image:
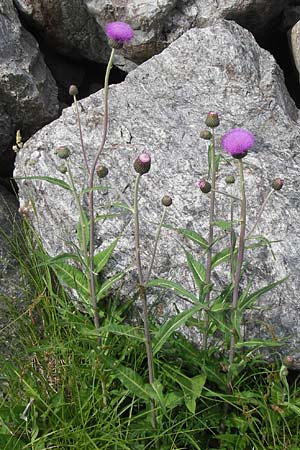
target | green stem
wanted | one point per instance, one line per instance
(80, 135)
(156, 243)
(210, 237)
(80, 210)
(91, 196)
(240, 259)
(261, 210)
(143, 297)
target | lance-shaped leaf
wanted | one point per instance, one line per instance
(105, 287)
(171, 326)
(51, 180)
(102, 257)
(134, 382)
(175, 287)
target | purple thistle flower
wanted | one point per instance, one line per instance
(119, 32)
(237, 142)
(142, 163)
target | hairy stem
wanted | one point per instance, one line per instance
(259, 214)
(91, 196)
(240, 259)
(155, 244)
(81, 136)
(210, 236)
(143, 297)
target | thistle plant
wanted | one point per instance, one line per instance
(237, 142)
(212, 121)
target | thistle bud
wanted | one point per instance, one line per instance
(288, 361)
(167, 200)
(277, 184)
(212, 120)
(62, 168)
(101, 171)
(142, 163)
(229, 179)
(204, 186)
(73, 90)
(205, 134)
(63, 152)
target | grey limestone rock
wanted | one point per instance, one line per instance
(28, 95)
(160, 108)
(71, 27)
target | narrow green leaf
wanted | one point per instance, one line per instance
(56, 181)
(224, 224)
(250, 299)
(190, 234)
(222, 256)
(259, 343)
(198, 271)
(133, 382)
(175, 287)
(73, 278)
(83, 230)
(169, 327)
(102, 258)
(103, 291)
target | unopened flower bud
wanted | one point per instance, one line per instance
(62, 168)
(288, 361)
(142, 163)
(101, 171)
(205, 134)
(73, 90)
(212, 120)
(204, 186)
(229, 179)
(277, 184)
(167, 200)
(62, 152)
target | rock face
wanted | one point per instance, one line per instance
(71, 28)
(9, 274)
(160, 108)
(28, 95)
(294, 38)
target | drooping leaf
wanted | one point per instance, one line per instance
(175, 287)
(117, 329)
(190, 234)
(51, 180)
(102, 257)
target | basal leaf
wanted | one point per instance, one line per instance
(133, 382)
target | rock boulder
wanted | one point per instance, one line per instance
(160, 108)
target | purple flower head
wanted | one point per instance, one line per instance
(237, 142)
(119, 32)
